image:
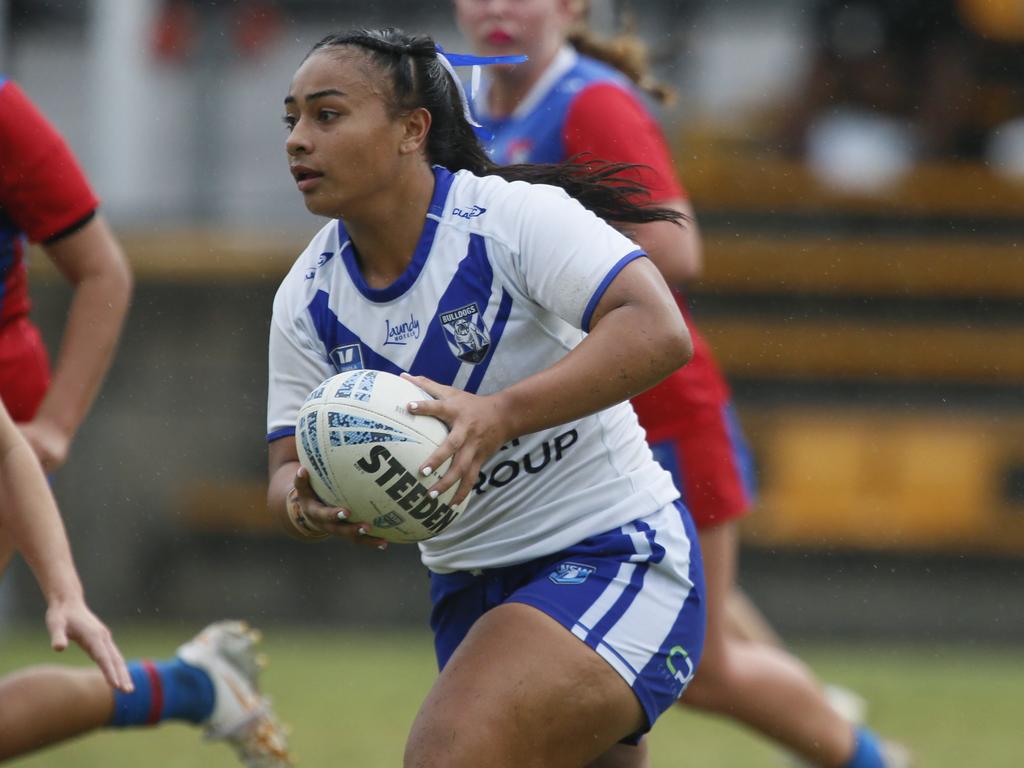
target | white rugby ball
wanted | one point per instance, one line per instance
(363, 449)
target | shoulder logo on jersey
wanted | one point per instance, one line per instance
(469, 213)
(400, 333)
(322, 259)
(467, 336)
(346, 358)
(571, 573)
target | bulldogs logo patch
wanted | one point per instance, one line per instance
(467, 336)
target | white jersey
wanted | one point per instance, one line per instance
(502, 285)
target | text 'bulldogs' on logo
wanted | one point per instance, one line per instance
(466, 334)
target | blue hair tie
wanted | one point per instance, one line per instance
(451, 60)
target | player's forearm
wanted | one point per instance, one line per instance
(94, 324)
(630, 350)
(29, 514)
(282, 480)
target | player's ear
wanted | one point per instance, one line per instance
(416, 125)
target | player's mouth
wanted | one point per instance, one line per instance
(305, 178)
(499, 37)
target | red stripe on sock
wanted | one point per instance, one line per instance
(156, 702)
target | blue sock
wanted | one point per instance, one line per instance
(164, 690)
(867, 751)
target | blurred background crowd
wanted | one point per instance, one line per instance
(858, 170)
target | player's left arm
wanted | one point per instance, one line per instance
(29, 516)
(90, 258)
(636, 338)
(634, 137)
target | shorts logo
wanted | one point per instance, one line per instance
(346, 358)
(571, 573)
(467, 336)
(682, 669)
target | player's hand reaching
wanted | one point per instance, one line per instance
(309, 513)
(476, 430)
(48, 441)
(72, 620)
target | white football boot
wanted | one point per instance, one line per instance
(241, 716)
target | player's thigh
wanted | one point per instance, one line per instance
(6, 550)
(623, 756)
(719, 546)
(523, 691)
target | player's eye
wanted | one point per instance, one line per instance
(325, 115)
(289, 122)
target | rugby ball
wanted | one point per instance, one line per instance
(363, 449)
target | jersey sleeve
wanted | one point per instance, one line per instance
(568, 256)
(297, 364)
(609, 123)
(42, 187)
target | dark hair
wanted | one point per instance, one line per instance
(418, 79)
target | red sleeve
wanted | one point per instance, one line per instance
(42, 188)
(611, 124)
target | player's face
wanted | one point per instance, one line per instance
(342, 142)
(502, 27)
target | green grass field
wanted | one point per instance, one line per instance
(350, 697)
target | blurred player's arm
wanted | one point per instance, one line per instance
(634, 137)
(91, 259)
(674, 248)
(29, 516)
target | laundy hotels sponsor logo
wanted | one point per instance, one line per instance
(571, 573)
(401, 333)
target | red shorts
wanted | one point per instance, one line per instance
(711, 465)
(24, 368)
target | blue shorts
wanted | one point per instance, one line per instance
(634, 594)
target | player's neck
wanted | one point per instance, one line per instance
(510, 85)
(385, 234)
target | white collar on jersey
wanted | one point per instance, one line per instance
(564, 60)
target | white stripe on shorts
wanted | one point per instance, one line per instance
(639, 633)
(650, 617)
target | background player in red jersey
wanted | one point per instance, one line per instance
(562, 103)
(45, 197)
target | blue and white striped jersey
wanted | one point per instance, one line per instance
(503, 284)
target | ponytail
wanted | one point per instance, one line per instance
(626, 52)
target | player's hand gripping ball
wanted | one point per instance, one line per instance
(362, 449)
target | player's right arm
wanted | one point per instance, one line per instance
(29, 515)
(297, 365)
